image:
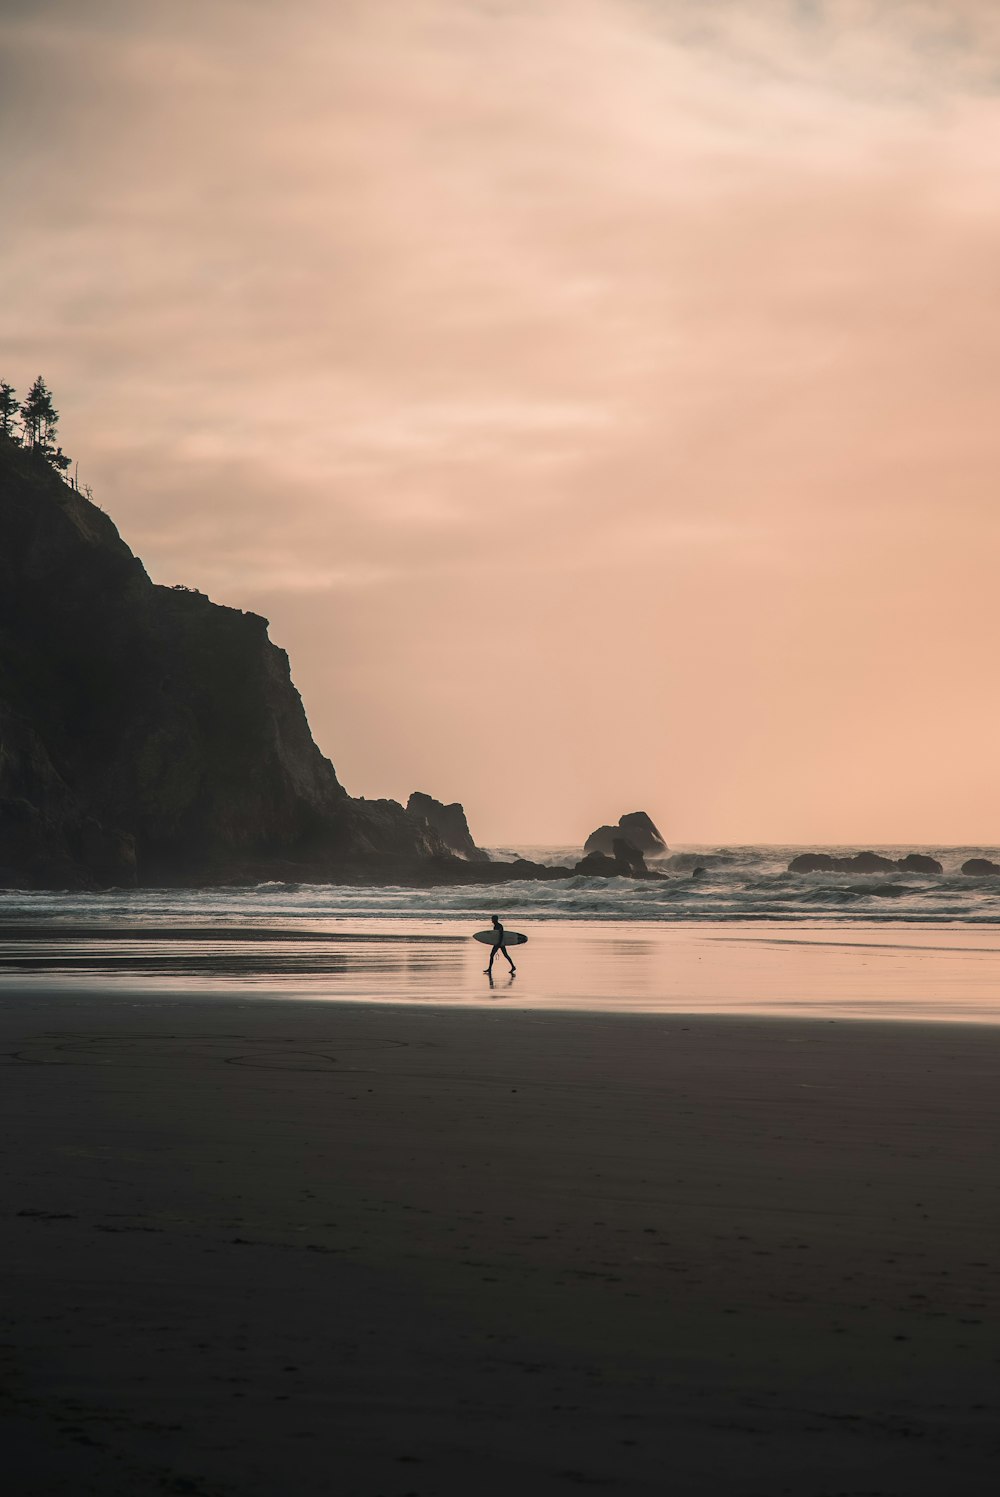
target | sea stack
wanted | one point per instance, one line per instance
(637, 828)
(449, 823)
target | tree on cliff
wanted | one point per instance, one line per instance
(39, 415)
(8, 410)
(40, 419)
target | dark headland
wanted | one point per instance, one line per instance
(150, 736)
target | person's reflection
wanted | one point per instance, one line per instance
(504, 985)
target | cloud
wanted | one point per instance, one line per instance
(654, 331)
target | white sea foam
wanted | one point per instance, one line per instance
(738, 884)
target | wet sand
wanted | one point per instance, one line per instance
(262, 1246)
(805, 969)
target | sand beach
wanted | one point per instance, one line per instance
(262, 1244)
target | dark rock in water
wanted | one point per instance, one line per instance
(629, 859)
(863, 862)
(598, 865)
(641, 831)
(627, 862)
(449, 823)
(919, 862)
(980, 868)
(147, 734)
(636, 827)
(812, 862)
(870, 862)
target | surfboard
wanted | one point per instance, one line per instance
(489, 938)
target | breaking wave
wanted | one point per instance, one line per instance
(733, 884)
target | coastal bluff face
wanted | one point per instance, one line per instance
(147, 734)
(450, 824)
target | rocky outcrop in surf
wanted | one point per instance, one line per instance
(919, 862)
(628, 858)
(450, 824)
(864, 862)
(637, 828)
(625, 862)
(980, 868)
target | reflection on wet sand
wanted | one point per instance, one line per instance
(901, 973)
(216, 957)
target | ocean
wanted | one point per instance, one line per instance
(745, 938)
(738, 884)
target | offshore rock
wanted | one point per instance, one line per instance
(597, 865)
(636, 827)
(980, 868)
(627, 862)
(146, 734)
(643, 833)
(870, 862)
(629, 859)
(450, 824)
(863, 862)
(919, 862)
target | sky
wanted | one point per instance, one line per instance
(599, 397)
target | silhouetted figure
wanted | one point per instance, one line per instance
(498, 945)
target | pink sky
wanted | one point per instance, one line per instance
(598, 396)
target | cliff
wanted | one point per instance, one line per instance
(450, 824)
(147, 734)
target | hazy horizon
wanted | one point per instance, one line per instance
(639, 355)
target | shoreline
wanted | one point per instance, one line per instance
(740, 888)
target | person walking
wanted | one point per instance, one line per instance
(498, 945)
